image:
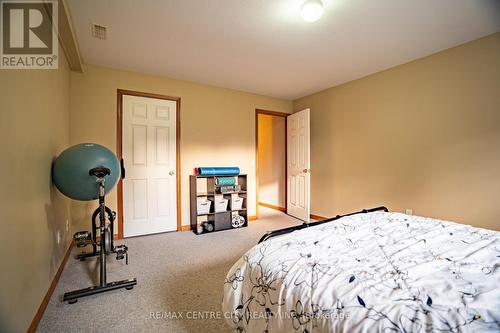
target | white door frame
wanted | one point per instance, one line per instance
(119, 150)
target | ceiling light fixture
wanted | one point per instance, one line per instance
(312, 10)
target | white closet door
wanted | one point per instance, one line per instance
(298, 165)
(149, 154)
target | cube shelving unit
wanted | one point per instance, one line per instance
(205, 187)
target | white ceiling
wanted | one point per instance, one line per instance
(263, 46)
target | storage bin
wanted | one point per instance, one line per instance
(236, 203)
(203, 206)
(220, 204)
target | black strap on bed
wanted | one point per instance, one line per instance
(283, 231)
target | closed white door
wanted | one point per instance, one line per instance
(298, 165)
(149, 154)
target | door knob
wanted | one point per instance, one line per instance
(171, 173)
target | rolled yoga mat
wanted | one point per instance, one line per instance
(225, 181)
(218, 171)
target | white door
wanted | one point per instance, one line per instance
(149, 154)
(298, 165)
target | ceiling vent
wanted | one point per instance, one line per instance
(99, 31)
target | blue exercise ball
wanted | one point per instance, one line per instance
(70, 171)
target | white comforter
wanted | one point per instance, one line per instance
(385, 272)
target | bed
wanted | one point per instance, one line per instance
(372, 272)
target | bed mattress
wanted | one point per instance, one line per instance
(375, 272)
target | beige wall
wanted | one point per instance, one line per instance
(217, 125)
(271, 160)
(424, 135)
(34, 129)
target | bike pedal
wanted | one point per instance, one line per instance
(122, 253)
(82, 238)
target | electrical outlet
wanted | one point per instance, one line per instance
(67, 225)
(409, 211)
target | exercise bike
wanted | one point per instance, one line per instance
(100, 247)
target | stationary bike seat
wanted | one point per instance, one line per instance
(99, 172)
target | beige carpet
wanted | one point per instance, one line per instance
(176, 272)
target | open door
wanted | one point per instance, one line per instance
(299, 165)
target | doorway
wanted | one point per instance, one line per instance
(271, 157)
(148, 132)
